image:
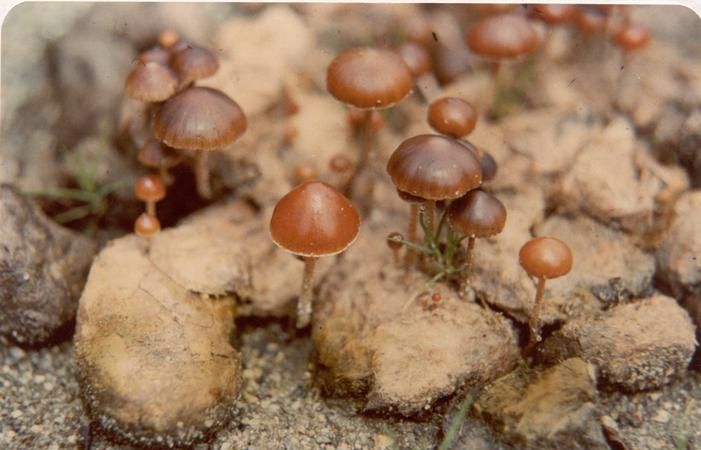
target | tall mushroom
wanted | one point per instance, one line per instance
(543, 258)
(311, 221)
(199, 119)
(150, 189)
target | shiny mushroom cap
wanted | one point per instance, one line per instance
(146, 225)
(150, 81)
(554, 13)
(367, 77)
(416, 57)
(503, 36)
(452, 116)
(314, 220)
(199, 118)
(158, 155)
(434, 167)
(194, 63)
(632, 37)
(149, 188)
(545, 257)
(477, 214)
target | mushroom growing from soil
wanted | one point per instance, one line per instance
(452, 116)
(151, 81)
(146, 225)
(150, 189)
(369, 79)
(157, 155)
(199, 119)
(311, 221)
(543, 258)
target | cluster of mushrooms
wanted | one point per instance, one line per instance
(185, 119)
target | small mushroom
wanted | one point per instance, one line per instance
(452, 116)
(150, 81)
(146, 225)
(394, 242)
(553, 14)
(194, 63)
(341, 167)
(167, 38)
(303, 172)
(590, 20)
(418, 60)
(487, 161)
(543, 258)
(311, 221)
(200, 119)
(150, 189)
(631, 37)
(157, 155)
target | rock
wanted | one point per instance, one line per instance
(688, 153)
(680, 247)
(153, 359)
(692, 304)
(373, 336)
(552, 409)
(637, 346)
(42, 270)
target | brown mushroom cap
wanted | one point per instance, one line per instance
(418, 29)
(168, 38)
(487, 162)
(146, 225)
(434, 167)
(149, 188)
(155, 54)
(416, 57)
(452, 116)
(590, 20)
(632, 37)
(367, 77)
(151, 81)
(195, 63)
(158, 155)
(502, 36)
(304, 171)
(450, 63)
(407, 197)
(477, 214)
(545, 257)
(554, 13)
(313, 220)
(199, 118)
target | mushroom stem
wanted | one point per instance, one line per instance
(430, 212)
(533, 321)
(151, 209)
(496, 71)
(411, 234)
(202, 174)
(365, 163)
(304, 304)
(468, 258)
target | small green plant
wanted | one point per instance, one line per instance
(681, 437)
(451, 434)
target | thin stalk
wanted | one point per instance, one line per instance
(365, 163)
(304, 304)
(204, 189)
(533, 320)
(410, 255)
(151, 209)
(430, 212)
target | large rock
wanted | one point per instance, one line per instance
(551, 409)
(637, 346)
(42, 270)
(375, 335)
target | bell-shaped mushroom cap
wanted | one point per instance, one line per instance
(146, 225)
(545, 257)
(452, 116)
(149, 188)
(554, 13)
(434, 167)
(477, 214)
(150, 81)
(156, 154)
(502, 36)
(416, 57)
(367, 77)
(313, 220)
(632, 36)
(195, 63)
(199, 118)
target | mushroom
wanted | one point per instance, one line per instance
(449, 63)
(200, 119)
(341, 167)
(368, 78)
(487, 161)
(418, 60)
(553, 15)
(394, 242)
(311, 221)
(194, 63)
(414, 203)
(543, 258)
(159, 156)
(146, 225)
(155, 54)
(150, 81)
(304, 171)
(150, 189)
(452, 116)
(631, 36)
(167, 38)
(477, 214)
(590, 20)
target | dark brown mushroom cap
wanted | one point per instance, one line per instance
(149, 188)
(158, 155)
(367, 77)
(632, 37)
(146, 225)
(452, 116)
(554, 13)
(150, 81)
(502, 36)
(416, 57)
(545, 257)
(434, 167)
(590, 20)
(199, 118)
(194, 63)
(313, 220)
(477, 214)
(407, 197)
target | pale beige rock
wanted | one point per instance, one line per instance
(637, 346)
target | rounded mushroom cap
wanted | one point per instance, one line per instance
(304, 171)
(150, 81)
(367, 77)
(158, 155)
(394, 240)
(477, 214)
(502, 36)
(340, 163)
(545, 257)
(632, 36)
(416, 57)
(418, 29)
(450, 63)
(167, 38)
(554, 13)
(195, 63)
(313, 220)
(452, 116)
(591, 20)
(149, 188)
(199, 118)
(146, 225)
(434, 167)
(155, 54)
(487, 162)
(407, 197)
